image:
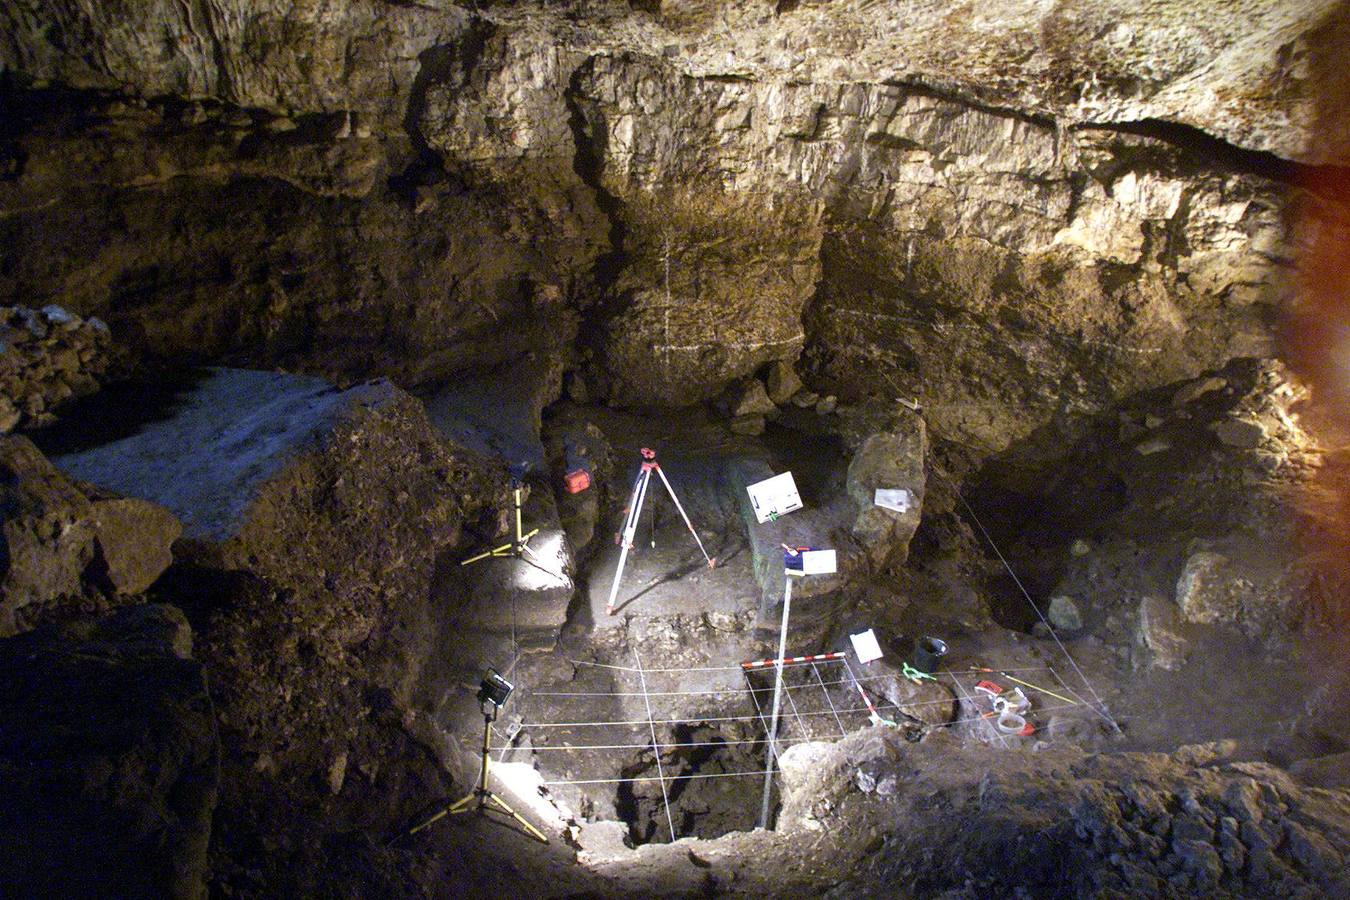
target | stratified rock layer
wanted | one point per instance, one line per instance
(1042, 215)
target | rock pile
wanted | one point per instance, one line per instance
(752, 401)
(47, 357)
(1245, 830)
(1062, 823)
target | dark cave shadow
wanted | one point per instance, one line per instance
(117, 411)
(405, 837)
(667, 577)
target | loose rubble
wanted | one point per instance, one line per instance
(49, 358)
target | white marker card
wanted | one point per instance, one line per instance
(819, 562)
(896, 499)
(866, 646)
(774, 497)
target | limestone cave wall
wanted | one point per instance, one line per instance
(1016, 231)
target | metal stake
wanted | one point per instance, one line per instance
(777, 700)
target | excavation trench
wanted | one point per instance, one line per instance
(706, 794)
(593, 743)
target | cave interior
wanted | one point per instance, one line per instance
(349, 352)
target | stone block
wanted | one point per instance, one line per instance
(782, 382)
(888, 459)
(135, 539)
(1239, 433)
(1159, 634)
(1208, 592)
(749, 398)
(1064, 614)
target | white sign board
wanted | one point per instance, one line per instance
(819, 562)
(896, 499)
(774, 497)
(866, 646)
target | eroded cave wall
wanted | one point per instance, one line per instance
(1062, 209)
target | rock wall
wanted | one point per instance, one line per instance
(206, 233)
(67, 547)
(1054, 210)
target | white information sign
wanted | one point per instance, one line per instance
(896, 499)
(774, 497)
(819, 562)
(866, 646)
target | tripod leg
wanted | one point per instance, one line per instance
(687, 523)
(519, 539)
(436, 818)
(539, 835)
(460, 805)
(629, 532)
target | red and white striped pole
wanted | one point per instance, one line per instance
(794, 660)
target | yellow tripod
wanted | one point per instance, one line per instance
(482, 793)
(519, 545)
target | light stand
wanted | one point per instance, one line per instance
(649, 465)
(492, 695)
(519, 544)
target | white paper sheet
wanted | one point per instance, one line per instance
(866, 646)
(896, 499)
(774, 497)
(819, 562)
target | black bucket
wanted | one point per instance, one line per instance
(928, 653)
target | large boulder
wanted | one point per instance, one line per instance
(48, 534)
(133, 539)
(108, 759)
(781, 381)
(930, 702)
(61, 540)
(892, 459)
(749, 398)
(1246, 581)
(342, 497)
(1160, 638)
(313, 519)
(1208, 591)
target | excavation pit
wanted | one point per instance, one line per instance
(593, 741)
(707, 794)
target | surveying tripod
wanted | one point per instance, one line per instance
(649, 465)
